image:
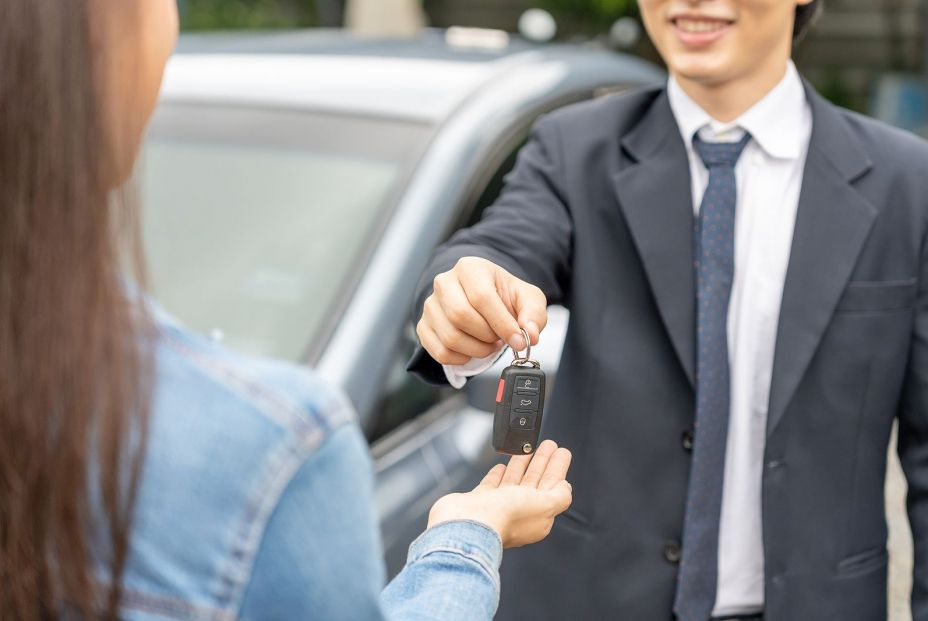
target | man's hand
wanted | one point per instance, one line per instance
(475, 308)
(518, 501)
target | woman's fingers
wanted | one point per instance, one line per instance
(539, 463)
(556, 470)
(494, 477)
(535, 511)
(561, 496)
(531, 467)
(515, 469)
(518, 501)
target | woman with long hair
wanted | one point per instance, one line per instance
(144, 472)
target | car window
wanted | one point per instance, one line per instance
(494, 187)
(405, 397)
(256, 222)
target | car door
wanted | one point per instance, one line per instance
(428, 441)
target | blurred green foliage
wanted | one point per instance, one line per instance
(594, 15)
(834, 86)
(220, 14)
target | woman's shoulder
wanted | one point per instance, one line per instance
(284, 395)
(227, 434)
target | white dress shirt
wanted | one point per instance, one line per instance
(769, 178)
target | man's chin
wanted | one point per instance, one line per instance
(705, 72)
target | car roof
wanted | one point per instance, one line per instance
(425, 78)
(429, 44)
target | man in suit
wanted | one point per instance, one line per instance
(745, 268)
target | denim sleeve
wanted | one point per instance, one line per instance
(452, 573)
(321, 557)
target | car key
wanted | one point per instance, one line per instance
(520, 399)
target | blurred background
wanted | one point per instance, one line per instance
(309, 155)
(868, 55)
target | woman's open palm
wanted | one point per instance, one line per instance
(519, 500)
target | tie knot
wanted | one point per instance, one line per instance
(720, 154)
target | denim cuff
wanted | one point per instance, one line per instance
(472, 540)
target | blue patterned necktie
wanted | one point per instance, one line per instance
(714, 260)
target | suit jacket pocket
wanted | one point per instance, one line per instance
(858, 591)
(863, 562)
(877, 296)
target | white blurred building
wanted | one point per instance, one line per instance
(385, 17)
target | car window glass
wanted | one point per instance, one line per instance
(405, 396)
(493, 188)
(255, 219)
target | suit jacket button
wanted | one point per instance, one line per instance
(673, 552)
(687, 440)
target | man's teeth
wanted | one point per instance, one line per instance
(695, 25)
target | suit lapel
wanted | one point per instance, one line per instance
(832, 225)
(833, 221)
(654, 191)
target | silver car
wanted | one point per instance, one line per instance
(295, 185)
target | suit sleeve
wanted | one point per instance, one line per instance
(528, 232)
(913, 445)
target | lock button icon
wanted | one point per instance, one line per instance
(523, 420)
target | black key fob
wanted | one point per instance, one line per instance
(520, 400)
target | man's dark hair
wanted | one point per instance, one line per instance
(805, 15)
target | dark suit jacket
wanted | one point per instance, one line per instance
(598, 213)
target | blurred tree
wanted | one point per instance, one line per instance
(331, 13)
(593, 16)
(835, 88)
(892, 16)
(924, 41)
(218, 14)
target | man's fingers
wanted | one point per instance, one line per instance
(457, 340)
(556, 470)
(433, 345)
(451, 337)
(483, 296)
(531, 307)
(539, 463)
(457, 308)
(494, 477)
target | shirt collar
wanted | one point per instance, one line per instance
(776, 122)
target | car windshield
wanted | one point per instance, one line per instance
(257, 223)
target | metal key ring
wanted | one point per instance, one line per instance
(528, 350)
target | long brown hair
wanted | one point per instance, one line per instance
(72, 365)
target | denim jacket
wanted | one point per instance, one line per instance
(255, 502)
